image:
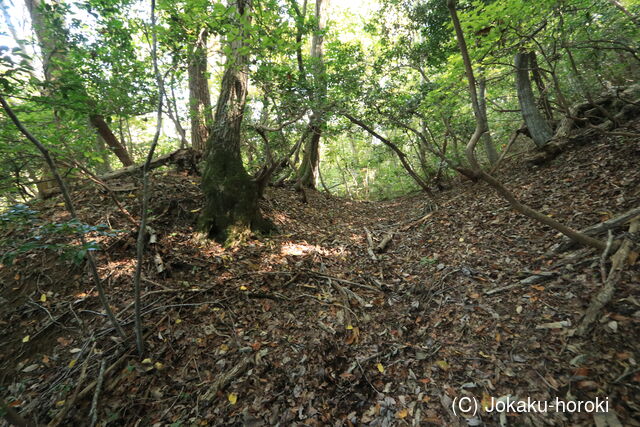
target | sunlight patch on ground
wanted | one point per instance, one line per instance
(297, 249)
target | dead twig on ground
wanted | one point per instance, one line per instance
(93, 413)
(349, 282)
(370, 244)
(224, 379)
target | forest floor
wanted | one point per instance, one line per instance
(304, 327)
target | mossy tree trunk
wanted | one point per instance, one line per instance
(231, 195)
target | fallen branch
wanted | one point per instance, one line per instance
(224, 379)
(602, 298)
(337, 279)
(382, 246)
(108, 189)
(599, 228)
(624, 105)
(181, 156)
(504, 288)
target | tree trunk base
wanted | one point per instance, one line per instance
(231, 212)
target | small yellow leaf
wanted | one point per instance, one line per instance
(233, 398)
(195, 210)
(72, 363)
(224, 347)
(442, 364)
(486, 401)
(380, 368)
(43, 298)
(243, 288)
(402, 414)
(60, 204)
(147, 361)
(461, 239)
(26, 338)
(60, 403)
(158, 366)
(349, 327)
(178, 321)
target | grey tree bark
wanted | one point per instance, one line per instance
(199, 96)
(538, 127)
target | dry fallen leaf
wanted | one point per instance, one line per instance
(402, 414)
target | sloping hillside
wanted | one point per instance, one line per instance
(305, 327)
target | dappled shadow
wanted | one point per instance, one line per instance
(304, 325)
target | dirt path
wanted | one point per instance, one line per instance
(305, 328)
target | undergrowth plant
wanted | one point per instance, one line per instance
(22, 232)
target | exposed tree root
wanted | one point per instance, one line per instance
(602, 298)
(599, 228)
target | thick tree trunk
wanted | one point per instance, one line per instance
(52, 41)
(308, 172)
(199, 97)
(231, 196)
(538, 127)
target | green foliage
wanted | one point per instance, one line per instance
(23, 232)
(398, 70)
